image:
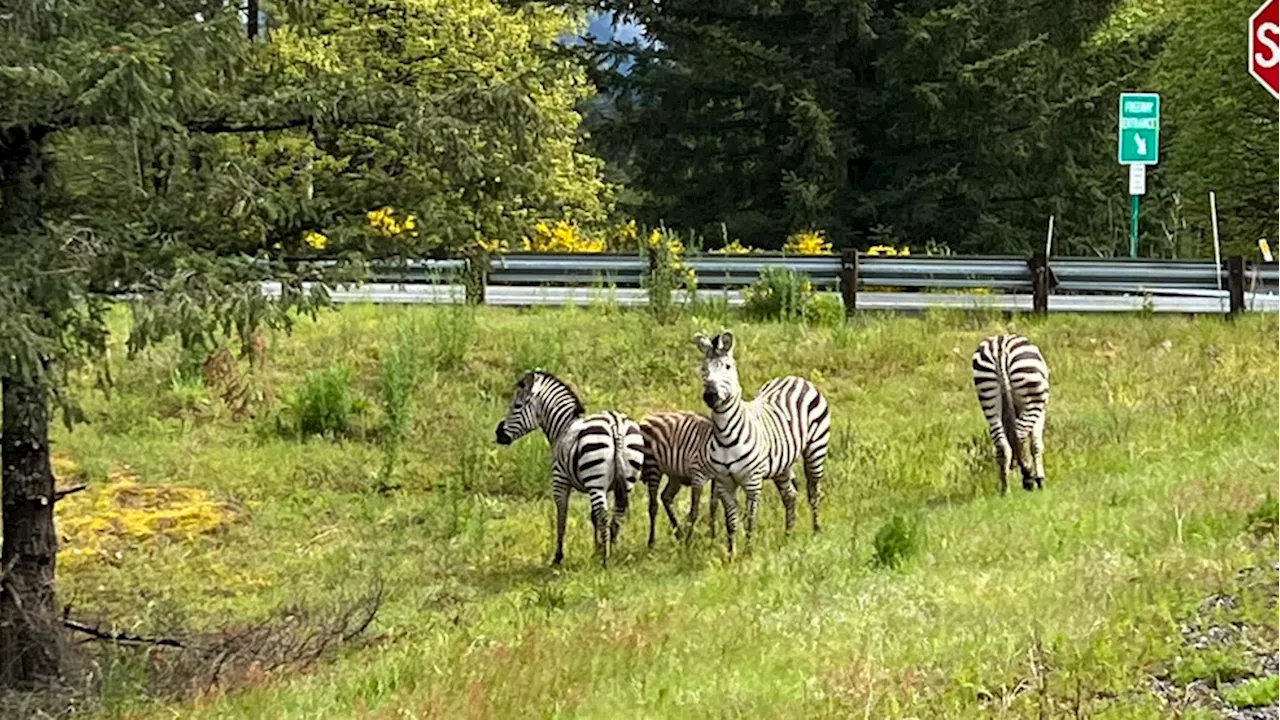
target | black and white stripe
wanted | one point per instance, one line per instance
(788, 421)
(676, 445)
(1012, 382)
(596, 454)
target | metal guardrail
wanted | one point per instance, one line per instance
(855, 275)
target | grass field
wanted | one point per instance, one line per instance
(1140, 583)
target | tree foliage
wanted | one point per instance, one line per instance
(156, 152)
(925, 120)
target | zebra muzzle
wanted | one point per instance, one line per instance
(501, 436)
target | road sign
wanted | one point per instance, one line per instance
(1137, 179)
(1264, 46)
(1140, 128)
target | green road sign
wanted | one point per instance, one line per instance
(1139, 128)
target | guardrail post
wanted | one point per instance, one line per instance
(849, 280)
(1235, 284)
(1039, 283)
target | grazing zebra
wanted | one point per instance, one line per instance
(595, 454)
(676, 444)
(1012, 381)
(760, 440)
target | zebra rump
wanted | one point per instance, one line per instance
(1011, 379)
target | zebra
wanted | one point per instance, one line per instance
(596, 454)
(760, 440)
(1012, 382)
(676, 444)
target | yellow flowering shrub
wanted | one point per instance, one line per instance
(102, 523)
(807, 242)
(563, 237)
(384, 222)
(492, 246)
(735, 248)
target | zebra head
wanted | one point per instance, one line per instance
(720, 385)
(540, 399)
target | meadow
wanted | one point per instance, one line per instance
(1141, 582)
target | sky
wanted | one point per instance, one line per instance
(598, 27)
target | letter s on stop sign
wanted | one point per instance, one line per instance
(1264, 46)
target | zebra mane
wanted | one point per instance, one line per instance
(578, 407)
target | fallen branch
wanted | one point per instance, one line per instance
(121, 638)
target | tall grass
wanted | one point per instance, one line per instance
(1161, 448)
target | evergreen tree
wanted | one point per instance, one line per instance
(168, 152)
(920, 120)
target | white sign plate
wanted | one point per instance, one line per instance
(1137, 179)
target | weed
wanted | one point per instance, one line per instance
(398, 376)
(1264, 519)
(779, 294)
(1257, 692)
(454, 329)
(896, 542)
(324, 404)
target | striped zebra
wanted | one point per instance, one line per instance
(760, 440)
(676, 445)
(596, 454)
(1012, 382)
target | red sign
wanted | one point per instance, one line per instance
(1264, 46)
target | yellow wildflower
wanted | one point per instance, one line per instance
(315, 240)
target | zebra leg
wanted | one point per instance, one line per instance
(1024, 465)
(787, 489)
(1037, 454)
(1004, 457)
(814, 468)
(600, 523)
(652, 477)
(711, 512)
(753, 503)
(668, 502)
(560, 491)
(621, 503)
(695, 503)
(728, 498)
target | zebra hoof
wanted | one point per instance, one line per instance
(1039, 483)
(1028, 485)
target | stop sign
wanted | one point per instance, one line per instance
(1264, 46)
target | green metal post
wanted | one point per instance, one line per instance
(1133, 229)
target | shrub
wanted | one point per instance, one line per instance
(323, 404)
(807, 242)
(897, 541)
(824, 310)
(667, 272)
(779, 294)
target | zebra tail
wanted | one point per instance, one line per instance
(621, 466)
(1008, 415)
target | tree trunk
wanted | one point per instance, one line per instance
(29, 627)
(29, 637)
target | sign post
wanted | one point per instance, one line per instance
(1264, 46)
(1139, 146)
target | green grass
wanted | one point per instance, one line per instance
(1161, 448)
(1254, 693)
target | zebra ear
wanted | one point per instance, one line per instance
(724, 343)
(703, 342)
